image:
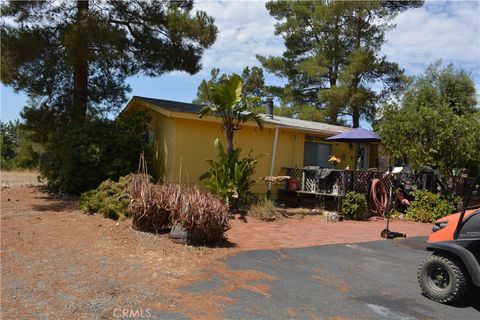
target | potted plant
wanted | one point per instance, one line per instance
(334, 160)
(293, 184)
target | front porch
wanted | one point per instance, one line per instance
(324, 188)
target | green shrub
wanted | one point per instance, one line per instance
(396, 214)
(232, 179)
(28, 153)
(18, 151)
(428, 206)
(78, 157)
(453, 200)
(354, 206)
(264, 210)
(8, 140)
(7, 164)
(110, 199)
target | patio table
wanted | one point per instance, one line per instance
(322, 196)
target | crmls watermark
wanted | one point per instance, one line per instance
(132, 313)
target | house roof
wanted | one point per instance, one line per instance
(284, 122)
(305, 125)
(174, 106)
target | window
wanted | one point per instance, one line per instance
(149, 136)
(362, 156)
(317, 154)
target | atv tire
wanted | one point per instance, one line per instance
(443, 278)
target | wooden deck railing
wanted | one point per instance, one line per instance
(324, 180)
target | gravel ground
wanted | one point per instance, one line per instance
(19, 178)
(59, 263)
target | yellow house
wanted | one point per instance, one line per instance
(182, 142)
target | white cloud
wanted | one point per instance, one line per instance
(245, 29)
(446, 30)
(439, 30)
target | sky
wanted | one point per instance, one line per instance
(439, 30)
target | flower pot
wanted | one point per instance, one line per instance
(180, 234)
(293, 184)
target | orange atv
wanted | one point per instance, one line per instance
(454, 267)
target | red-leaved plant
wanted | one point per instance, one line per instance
(156, 207)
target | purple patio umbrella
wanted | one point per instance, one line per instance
(357, 136)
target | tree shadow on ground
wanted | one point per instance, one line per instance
(222, 244)
(56, 203)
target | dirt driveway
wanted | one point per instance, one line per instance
(19, 178)
(58, 263)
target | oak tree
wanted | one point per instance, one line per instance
(434, 124)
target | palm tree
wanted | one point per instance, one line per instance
(225, 100)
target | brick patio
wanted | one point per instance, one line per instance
(312, 231)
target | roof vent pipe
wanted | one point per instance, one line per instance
(269, 112)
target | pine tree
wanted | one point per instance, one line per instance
(73, 57)
(333, 57)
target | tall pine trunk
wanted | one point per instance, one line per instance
(80, 68)
(356, 117)
(355, 108)
(334, 76)
(334, 109)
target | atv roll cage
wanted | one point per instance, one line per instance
(465, 207)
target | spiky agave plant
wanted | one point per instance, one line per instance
(156, 207)
(149, 205)
(203, 215)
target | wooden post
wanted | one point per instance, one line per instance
(352, 177)
(344, 182)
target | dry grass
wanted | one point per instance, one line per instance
(19, 178)
(265, 210)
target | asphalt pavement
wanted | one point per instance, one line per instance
(371, 280)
